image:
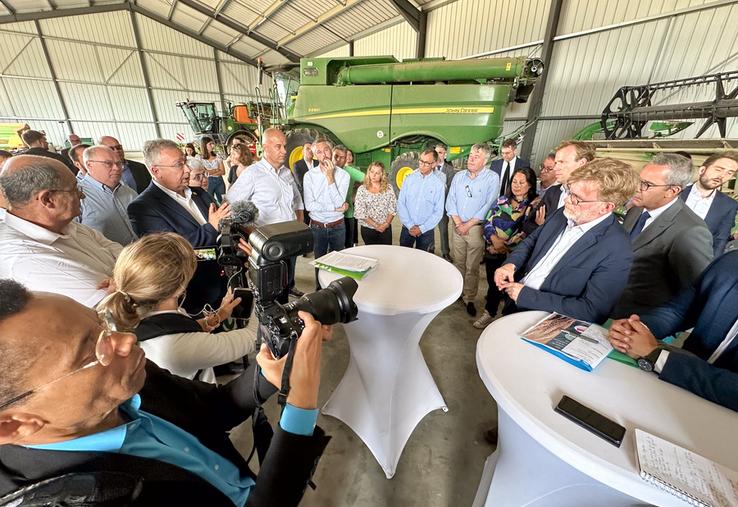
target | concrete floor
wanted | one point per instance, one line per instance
(442, 462)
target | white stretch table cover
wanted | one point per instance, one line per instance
(387, 388)
(543, 459)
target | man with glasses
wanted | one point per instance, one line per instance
(420, 204)
(135, 174)
(79, 399)
(106, 198)
(547, 173)
(577, 262)
(169, 204)
(472, 194)
(671, 244)
(43, 246)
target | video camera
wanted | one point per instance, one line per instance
(272, 247)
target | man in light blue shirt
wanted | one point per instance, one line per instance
(420, 204)
(325, 187)
(106, 201)
(471, 196)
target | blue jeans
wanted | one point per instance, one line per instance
(327, 239)
(425, 241)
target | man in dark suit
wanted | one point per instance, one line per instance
(38, 145)
(92, 404)
(170, 205)
(707, 365)
(570, 155)
(671, 244)
(577, 263)
(135, 174)
(709, 203)
(505, 166)
(300, 168)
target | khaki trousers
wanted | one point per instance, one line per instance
(467, 252)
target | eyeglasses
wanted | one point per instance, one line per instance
(423, 162)
(647, 185)
(77, 189)
(576, 200)
(177, 165)
(468, 190)
(107, 163)
(116, 147)
(104, 351)
(197, 177)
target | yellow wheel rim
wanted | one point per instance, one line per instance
(295, 155)
(402, 173)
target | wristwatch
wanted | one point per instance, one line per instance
(647, 363)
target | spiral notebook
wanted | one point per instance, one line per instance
(689, 476)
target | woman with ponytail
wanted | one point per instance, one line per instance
(150, 276)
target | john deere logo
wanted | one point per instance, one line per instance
(380, 134)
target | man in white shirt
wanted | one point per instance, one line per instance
(42, 245)
(578, 261)
(709, 203)
(326, 186)
(671, 244)
(505, 167)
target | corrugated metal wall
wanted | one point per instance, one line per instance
(398, 40)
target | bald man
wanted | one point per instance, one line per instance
(135, 174)
(43, 247)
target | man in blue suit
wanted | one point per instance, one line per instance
(169, 205)
(505, 167)
(707, 365)
(709, 203)
(577, 262)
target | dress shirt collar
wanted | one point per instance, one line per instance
(698, 195)
(266, 165)
(588, 226)
(658, 211)
(36, 232)
(92, 181)
(174, 195)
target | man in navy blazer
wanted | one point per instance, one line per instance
(709, 203)
(169, 205)
(505, 166)
(707, 365)
(577, 263)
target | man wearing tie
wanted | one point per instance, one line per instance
(505, 166)
(671, 245)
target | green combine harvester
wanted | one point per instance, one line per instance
(389, 111)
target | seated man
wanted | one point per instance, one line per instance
(42, 245)
(92, 403)
(577, 262)
(708, 363)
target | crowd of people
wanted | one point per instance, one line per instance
(107, 258)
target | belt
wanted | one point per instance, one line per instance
(329, 225)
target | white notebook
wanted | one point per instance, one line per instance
(689, 476)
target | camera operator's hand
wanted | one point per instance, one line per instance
(305, 375)
(215, 214)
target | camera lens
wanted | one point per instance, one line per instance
(331, 305)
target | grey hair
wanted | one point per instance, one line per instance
(21, 185)
(153, 148)
(680, 168)
(323, 140)
(485, 149)
(92, 152)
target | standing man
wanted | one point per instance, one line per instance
(135, 174)
(300, 169)
(38, 145)
(326, 186)
(709, 203)
(505, 166)
(546, 173)
(74, 140)
(106, 201)
(75, 155)
(269, 184)
(420, 205)
(445, 172)
(340, 155)
(472, 194)
(671, 244)
(570, 155)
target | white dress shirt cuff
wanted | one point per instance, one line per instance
(661, 361)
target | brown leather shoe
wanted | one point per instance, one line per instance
(491, 436)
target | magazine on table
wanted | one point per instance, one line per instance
(578, 342)
(346, 264)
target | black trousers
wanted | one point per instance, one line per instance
(351, 237)
(494, 296)
(374, 237)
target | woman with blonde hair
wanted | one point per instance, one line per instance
(375, 206)
(151, 275)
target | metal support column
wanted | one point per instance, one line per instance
(54, 80)
(219, 79)
(420, 41)
(145, 71)
(351, 48)
(536, 103)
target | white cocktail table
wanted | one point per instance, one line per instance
(387, 388)
(543, 459)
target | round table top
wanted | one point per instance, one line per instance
(528, 382)
(405, 280)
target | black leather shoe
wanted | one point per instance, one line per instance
(471, 309)
(296, 293)
(491, 436)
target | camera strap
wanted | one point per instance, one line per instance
(284, 390)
